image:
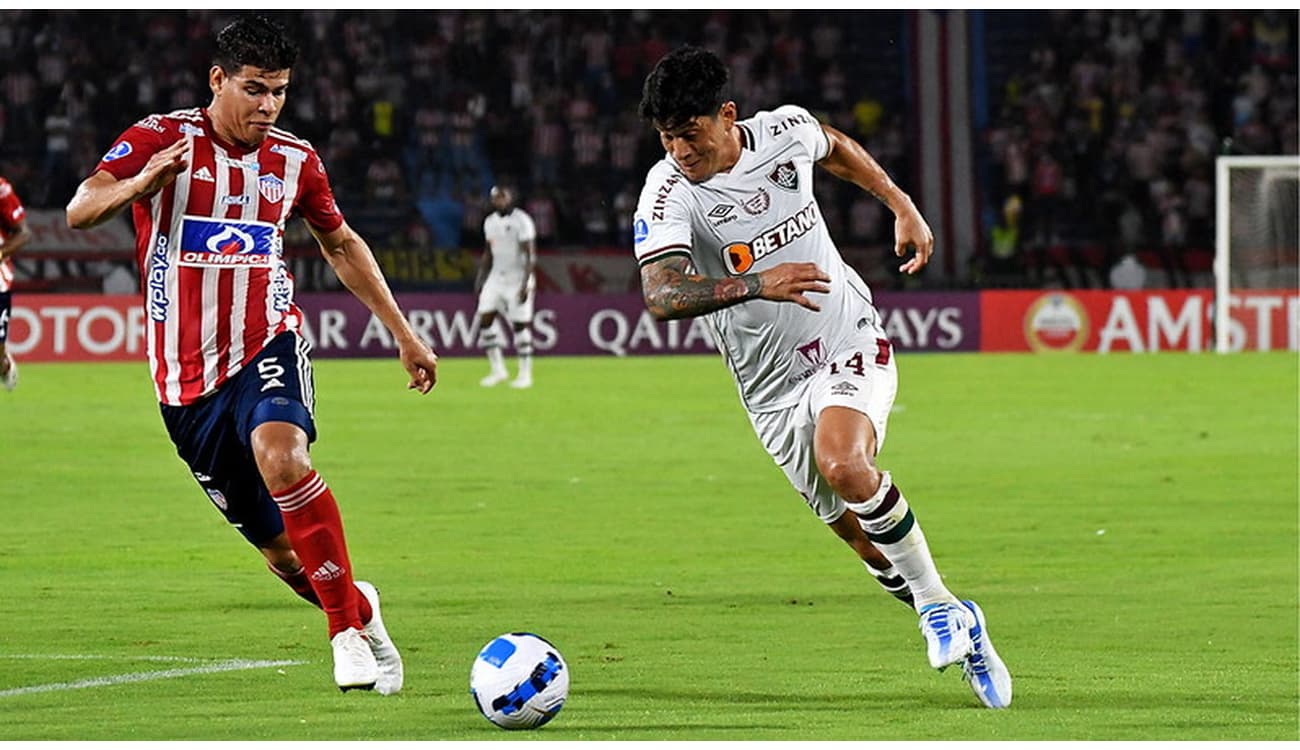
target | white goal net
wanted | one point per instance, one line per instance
(1256, 263)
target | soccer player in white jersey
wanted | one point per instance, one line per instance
(506, 285)
(727, 227)
(210, 190)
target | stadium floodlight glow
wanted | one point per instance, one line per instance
(1256, 232)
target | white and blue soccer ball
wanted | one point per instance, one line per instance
(519, 681)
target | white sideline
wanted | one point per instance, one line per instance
(228, 665)
(106, 657)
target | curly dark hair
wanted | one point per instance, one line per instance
(256, 41)
(688, 82)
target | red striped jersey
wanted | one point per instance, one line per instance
(210, 244)
(12, 214)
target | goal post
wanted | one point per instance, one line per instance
(1256, 234)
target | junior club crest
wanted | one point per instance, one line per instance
(271, 188)
(785, 176)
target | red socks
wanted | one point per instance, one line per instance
(315, 529)
(301, 586)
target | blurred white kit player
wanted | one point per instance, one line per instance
(506, 285)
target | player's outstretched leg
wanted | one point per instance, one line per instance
(984, 670)
(892, 527)
(381, 645)
(315, 529)
(386, 655)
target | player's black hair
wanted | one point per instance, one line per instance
(255, 41)
(688, 82)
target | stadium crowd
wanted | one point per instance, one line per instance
(1105, 140)
(1101, 139)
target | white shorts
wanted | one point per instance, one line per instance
(504, 299)
(854, 377)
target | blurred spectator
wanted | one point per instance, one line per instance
(1128, 273)
(385, 187)
(1003, 266)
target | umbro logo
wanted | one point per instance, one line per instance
(327, 572)
(204, 175)
(843, 389)
(723, 213)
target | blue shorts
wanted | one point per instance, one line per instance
(5, 301)
(214, 435)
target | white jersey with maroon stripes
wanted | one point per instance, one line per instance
(757, 215)
(210, 246)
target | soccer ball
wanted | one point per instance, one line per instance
(519, 681)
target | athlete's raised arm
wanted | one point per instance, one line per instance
(102, 196)
(355, 265)
(672, 289)
(849, 161)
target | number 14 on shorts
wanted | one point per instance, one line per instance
(856, 364)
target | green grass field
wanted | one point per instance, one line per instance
(1128, 523)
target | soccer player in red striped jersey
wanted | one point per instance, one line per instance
(13, 235)
(210, 190)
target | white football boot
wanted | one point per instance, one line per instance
(493, 378)
(947, 631)
(984, 670)
(354, 665)
(385, 653)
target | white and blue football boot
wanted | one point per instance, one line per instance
(984, 669)
(947, 631)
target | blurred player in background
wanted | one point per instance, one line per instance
(210, 190)
(727, 227)
(13, 235)
(506, 285)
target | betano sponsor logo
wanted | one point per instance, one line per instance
(739, 257)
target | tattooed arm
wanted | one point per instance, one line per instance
(850, 162)
(673, 290)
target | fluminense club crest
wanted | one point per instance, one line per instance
(785, 176)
